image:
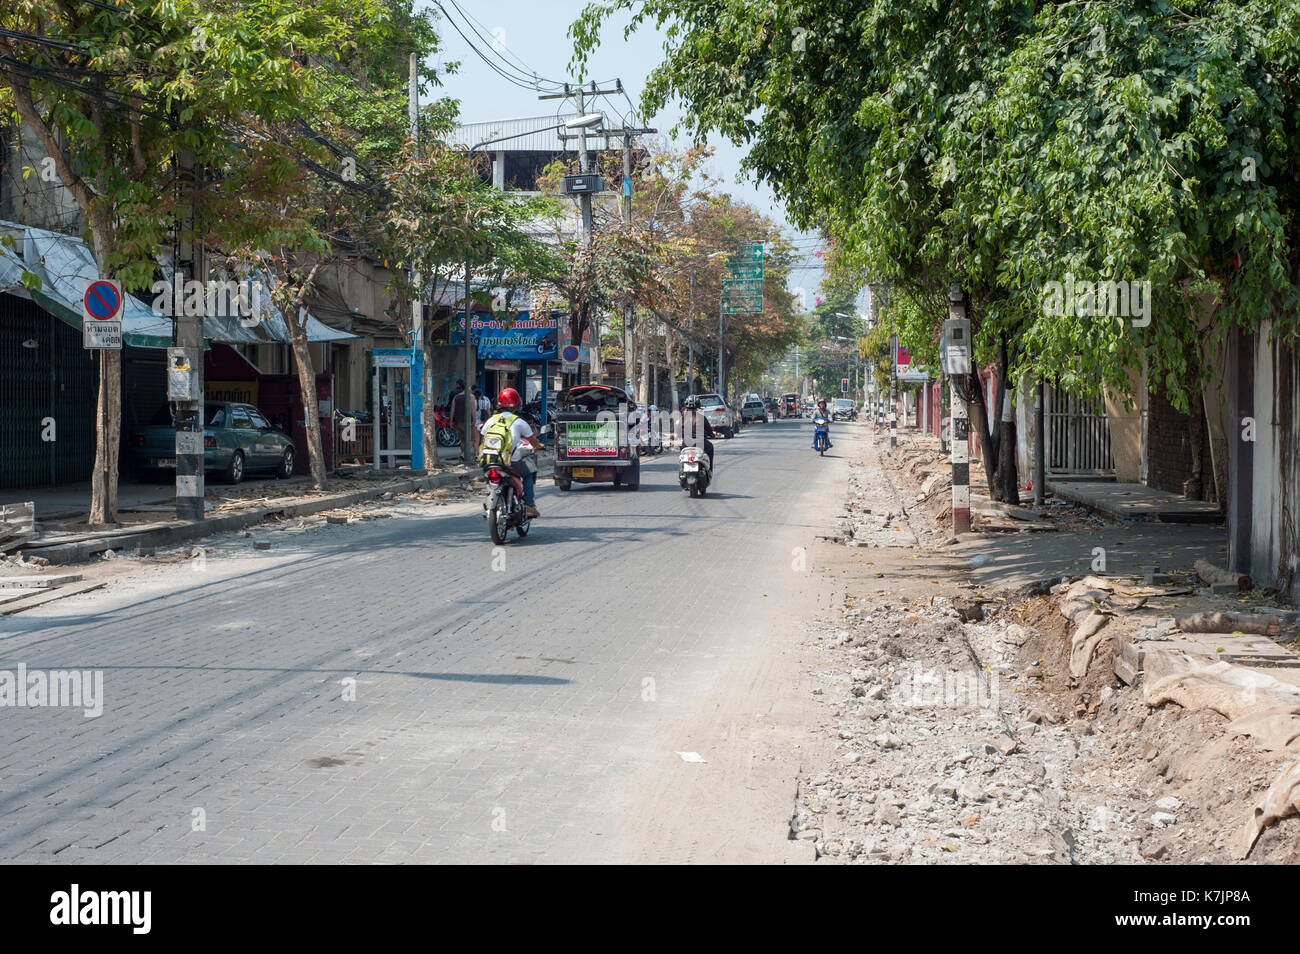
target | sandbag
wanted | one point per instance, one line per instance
(1282, 799)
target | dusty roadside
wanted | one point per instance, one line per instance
(960, 735)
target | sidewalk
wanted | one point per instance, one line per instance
(66, 539)
(1077, 543)
(1135, 501)
(1108, 720)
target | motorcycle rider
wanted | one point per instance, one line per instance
(822, 412)
(522, 436)
(696, 429)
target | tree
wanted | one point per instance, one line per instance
(439, 215)
(1008, 145)
(339, 204)
(135, 106)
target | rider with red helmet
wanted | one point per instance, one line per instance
(522, 436)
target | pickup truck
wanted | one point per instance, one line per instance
(753, 410)
(593, 441)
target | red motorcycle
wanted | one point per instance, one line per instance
(504, 507)
(445, 428)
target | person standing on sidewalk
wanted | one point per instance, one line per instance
(461, 406)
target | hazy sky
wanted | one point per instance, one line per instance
(532, 34)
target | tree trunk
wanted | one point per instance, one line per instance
(979, 424)
(669, 344)
(643, 385)
(307, 385)
(1008, 474)
(108, 405)
(629, 352)
(597, 362)
(427, 422)
(108, 429)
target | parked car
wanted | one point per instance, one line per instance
(717, 413)
(753, 410)
(843, 409)
(237, 440)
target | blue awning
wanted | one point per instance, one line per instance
(57, 268)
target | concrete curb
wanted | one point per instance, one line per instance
(182, 531)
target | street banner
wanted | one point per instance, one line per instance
(519, 338)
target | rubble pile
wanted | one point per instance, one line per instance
(940, 759)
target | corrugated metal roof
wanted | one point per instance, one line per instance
(532, 132)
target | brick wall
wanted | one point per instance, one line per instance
(1169, 447)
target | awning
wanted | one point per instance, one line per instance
(63, 264)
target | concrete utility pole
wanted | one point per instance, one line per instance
(690, 343)
(584, 199)
(893, 395)
(423, 385)
(189, 412)
(960, 443)
(722, 384)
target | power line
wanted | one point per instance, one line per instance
(510, 73)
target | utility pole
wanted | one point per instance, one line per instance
(893, 394)
(690, 343)
(722, 384)
(188, 337)
(422, 383)
(960, 442)
(584, 199)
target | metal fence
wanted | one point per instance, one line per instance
(47, 398)
(1078, 435)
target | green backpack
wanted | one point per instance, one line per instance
(498, 443)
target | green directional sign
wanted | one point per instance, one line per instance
(742, 290)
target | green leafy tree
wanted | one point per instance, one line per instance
(1006, 145)
(140, 105)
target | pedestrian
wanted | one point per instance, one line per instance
(458, 411)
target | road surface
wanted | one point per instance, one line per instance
(401, 691)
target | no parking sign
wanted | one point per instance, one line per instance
(569, 358)
(101, 315)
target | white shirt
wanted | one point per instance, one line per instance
(520, 431)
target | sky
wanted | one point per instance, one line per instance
(533, 36)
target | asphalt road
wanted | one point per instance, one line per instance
(503, 696)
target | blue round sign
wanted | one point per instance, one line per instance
(570, 353)
(103, 300)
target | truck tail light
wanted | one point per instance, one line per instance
(210, 443)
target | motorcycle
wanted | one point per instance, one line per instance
(649, 437)
(821, 434)
(447, 433)
(694, 472)
(504, 507)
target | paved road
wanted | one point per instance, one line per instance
(496, 713)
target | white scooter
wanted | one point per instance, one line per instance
(694, 472)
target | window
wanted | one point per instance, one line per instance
(214, 415)
(239, 419)
(258, 420)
